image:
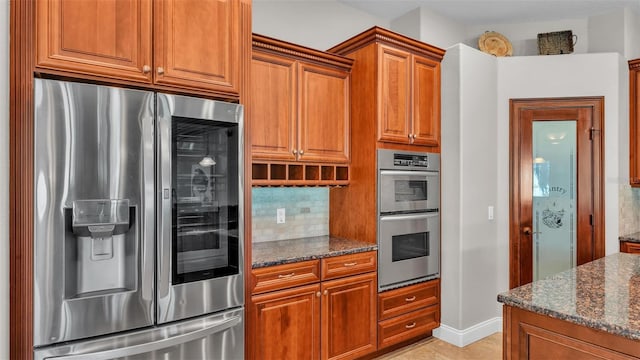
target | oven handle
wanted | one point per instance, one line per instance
(408, 173)
(409, 216)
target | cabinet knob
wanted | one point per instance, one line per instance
(326, 292)
(146, 69)
(413, 136)
(301, 152)
(294, 151)
(160, 70)
(409, 136)
(318, 294)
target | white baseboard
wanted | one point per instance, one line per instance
(461, 338)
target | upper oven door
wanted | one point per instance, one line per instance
(402, 190)
(200, 215)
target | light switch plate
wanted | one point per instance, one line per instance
(280, 216)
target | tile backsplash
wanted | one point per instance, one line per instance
(629, 211)
(306, 213)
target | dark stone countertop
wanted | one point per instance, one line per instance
(271, 253)
(603, 294)
(635, 237)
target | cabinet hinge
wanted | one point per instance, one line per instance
(591, 219)
(592, 132)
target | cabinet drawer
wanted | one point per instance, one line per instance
(399, 301)
(629, 247)
(407, 326)
(284, 276)
(346, 265)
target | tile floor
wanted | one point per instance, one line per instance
(489, 348)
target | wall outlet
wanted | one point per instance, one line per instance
(490, 212)
(280, 216)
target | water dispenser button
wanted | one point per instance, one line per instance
(101, 248)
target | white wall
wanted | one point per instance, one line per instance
(632, 34)
(469, 187)
(607, 32)
(564, 76)
(408, 24)
(315, 24)
(440, 31)
(4, 179)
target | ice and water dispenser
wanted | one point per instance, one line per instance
(100, 247)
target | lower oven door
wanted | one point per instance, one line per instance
(408, 249)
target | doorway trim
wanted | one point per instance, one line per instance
(516, 106)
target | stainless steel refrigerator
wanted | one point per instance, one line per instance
(138, 233)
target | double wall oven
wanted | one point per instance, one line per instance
(138, 233)
(408, 218)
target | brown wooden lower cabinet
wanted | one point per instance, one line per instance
(528, 335)
(287, 324)
(349, 317)
(630, 247)
(333, 319)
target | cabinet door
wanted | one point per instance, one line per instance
(197, 44)
(349, 317)
(107, 38)
(394, 87)
(286, 324)
(324, 114)
(426, 101)
(634, 127)
(273, 107)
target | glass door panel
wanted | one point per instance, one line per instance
(204, 174)
(554, 197)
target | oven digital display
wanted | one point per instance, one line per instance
(410, 160)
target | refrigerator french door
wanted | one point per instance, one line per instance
(200, 222)
(138, 225)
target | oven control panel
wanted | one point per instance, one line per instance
(410, 160)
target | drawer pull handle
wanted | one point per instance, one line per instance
(351, 264)
(410, 299)
(286, 276)
(410, 326)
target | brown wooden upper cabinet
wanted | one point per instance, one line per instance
(634, 122)
(177, 43)
(400, 78)
(299, 103)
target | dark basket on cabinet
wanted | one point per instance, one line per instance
(554, 43)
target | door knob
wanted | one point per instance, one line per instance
(527, 231)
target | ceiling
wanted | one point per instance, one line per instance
(484, 12)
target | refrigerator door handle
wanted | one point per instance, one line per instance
(155, 345)
(164, 201)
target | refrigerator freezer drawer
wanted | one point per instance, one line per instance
(219, 336)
